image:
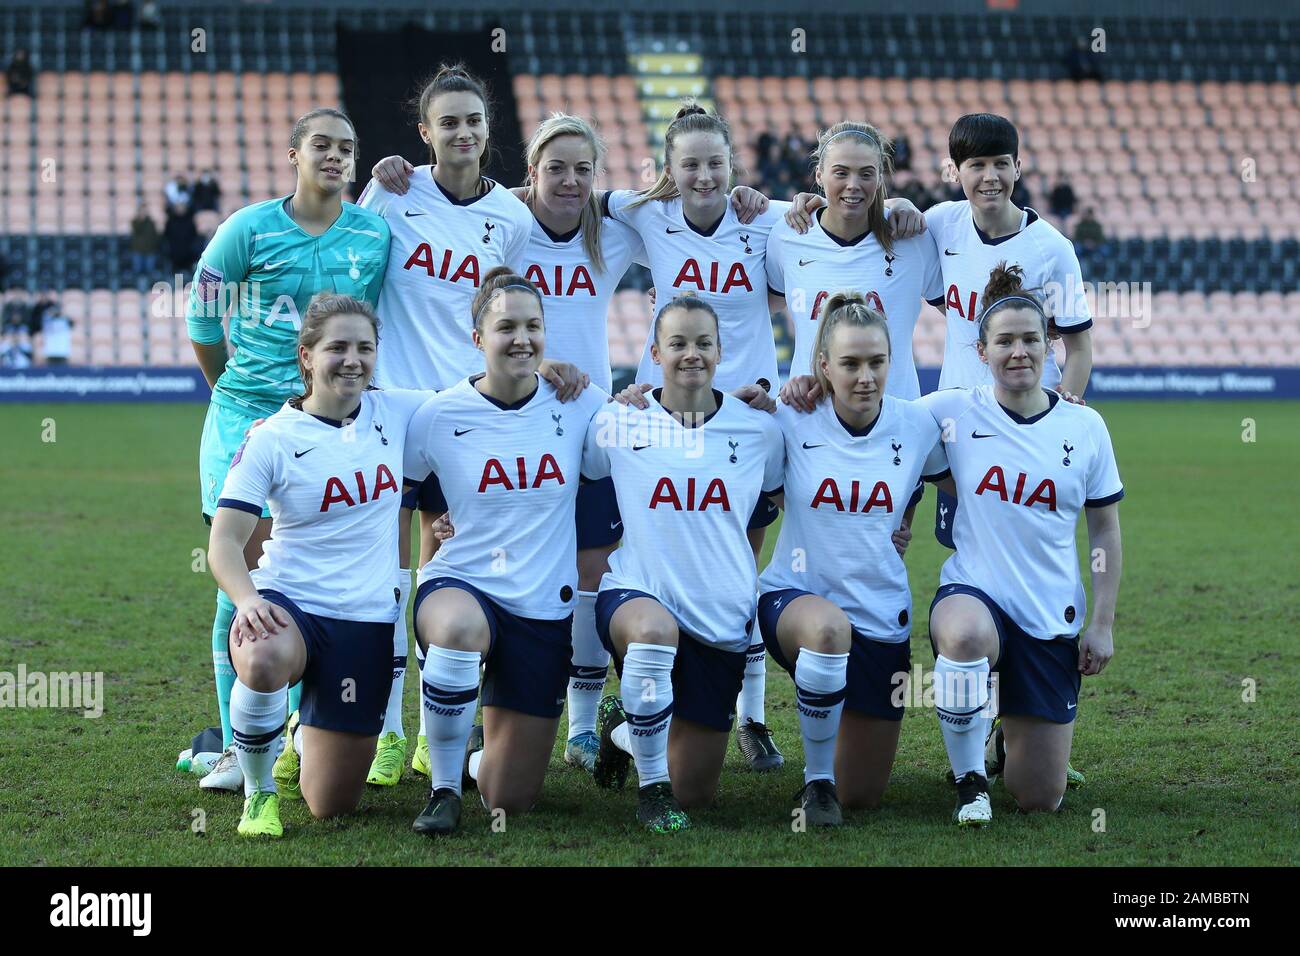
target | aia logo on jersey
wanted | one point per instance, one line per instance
(691, 274)
(995, 483)
(337, 493)
(494, 473)
(952, 301)
(422, 258)
(579, 281)
(828, 494)
(666, 493)
(873, 300)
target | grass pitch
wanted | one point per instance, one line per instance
(1185, 765)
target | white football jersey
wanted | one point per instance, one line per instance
(685, 496)
(1021, 484)
(968, 256)
(724, 268)
(334, 491)
(510, 477)
(845, 495)
(440, 251)
(576, 295)
(807, 269)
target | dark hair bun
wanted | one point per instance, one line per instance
(1004, 280)
(690, 108)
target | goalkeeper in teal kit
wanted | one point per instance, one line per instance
(262, 268)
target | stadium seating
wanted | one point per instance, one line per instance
(1186, 151)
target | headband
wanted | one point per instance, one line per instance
(857, 132)
(1034, 303)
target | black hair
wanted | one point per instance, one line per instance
(982, 134)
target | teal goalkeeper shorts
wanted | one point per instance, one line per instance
(223, 433)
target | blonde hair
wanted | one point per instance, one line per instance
(551, 128)
(690, 118)
(323, 307)
(847, 307)
(868, 134)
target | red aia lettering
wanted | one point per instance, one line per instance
(953, 302)
(336, 493)
(873, 300)
(995, 483)
(690, 274)
(494, 473)
(579, 281)
(665, 493)
(828, 493)
(423, 257)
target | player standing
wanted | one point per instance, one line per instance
(677, 606)
(849, 246)
(1024, 464)
(263, 265)
(450, 228)
(835, 609)
(508, 457)
(320, 606)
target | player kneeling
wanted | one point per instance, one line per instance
(501, 591)
(835, 609)
(1024, 463)
(320, 605)
(676, 607)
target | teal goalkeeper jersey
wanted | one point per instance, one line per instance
(263, 269)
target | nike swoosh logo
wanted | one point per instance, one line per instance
(673, 232)
(805, 262)
(614, 525)
(949, 252)
(276, 265)
(299, 454)
(1071, 706)
(978, 435)
(818, 445)
(409, 214)
(462, 431)
(640, 447)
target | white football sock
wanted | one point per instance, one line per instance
(257, 719)
(648, 702)
(475, 759)
(820, 683)
(587, 670)
(749, 705)
(621, 738)
(961, 691)
(393, 713)
(449, 690)
(419, 659)
(297, 741)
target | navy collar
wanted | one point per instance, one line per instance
(559, 237)
(658, 393)
(337, 423)
(847, 243)
(512, 406)
(859, 432)
(703, 232)
(464, 202)
(1030, 219)
(1052, 399)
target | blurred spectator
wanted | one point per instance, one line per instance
(182, 237)
(145, 242)
(1062, 199)
(1020, 195)
(122, 14)
(1089, 237)
(20, 75)
(1081, 63)
(205, 194)
(177, 191)
(15, 336)
(56, 334)
(99, 16)
(149, 14)
(902, 154)
(17, 311)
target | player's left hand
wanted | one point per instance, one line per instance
(568, 379)
(1070, 396)
(799, 216)
(905, 220)
(902, 538)
(755, 396)
(801, 392)
(1095, 650)
(442, 527)
(749, 203)
(633, 395)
